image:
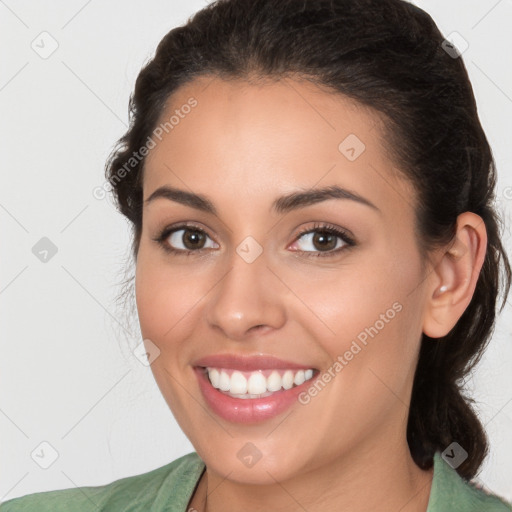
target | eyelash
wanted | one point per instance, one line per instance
(324, 228)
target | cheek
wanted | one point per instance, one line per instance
(164, 298)
(353, 302)
(365, 317)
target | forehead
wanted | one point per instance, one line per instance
(269, 136)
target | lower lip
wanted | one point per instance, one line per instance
(248, 410)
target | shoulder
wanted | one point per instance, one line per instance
(451, 492)
(155, 490)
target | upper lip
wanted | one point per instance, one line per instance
(248, 363)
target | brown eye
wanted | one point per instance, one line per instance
(193, 239)
(185, 239)
(324, 241)
(320, 240)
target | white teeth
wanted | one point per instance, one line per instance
(255, 384)
(238, 384)
(274, 381)
(299, 378)
(288, 379)
(214, 377)
(224, 381)
(248, 396)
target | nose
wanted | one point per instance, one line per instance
(247, 301)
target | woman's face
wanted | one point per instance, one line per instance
(269, 294)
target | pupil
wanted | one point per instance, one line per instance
(192, 237)
(322, 238)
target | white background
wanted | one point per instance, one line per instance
(67, 373)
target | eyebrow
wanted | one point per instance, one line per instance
(281, 205)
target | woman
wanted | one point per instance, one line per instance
(317, 261)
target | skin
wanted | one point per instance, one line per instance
(242, 146)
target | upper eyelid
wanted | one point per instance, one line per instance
(319, 226)
(179, 227)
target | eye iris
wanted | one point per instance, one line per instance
(192, 237)
(325, 240)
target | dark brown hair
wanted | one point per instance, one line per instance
(387, 55)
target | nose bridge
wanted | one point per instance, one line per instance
(245, 297)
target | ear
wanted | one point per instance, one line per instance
(452, 281)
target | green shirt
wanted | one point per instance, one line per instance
(170, 487)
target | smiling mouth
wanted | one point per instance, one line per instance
(258, 383)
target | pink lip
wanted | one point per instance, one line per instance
(255, 410)
(248, 363)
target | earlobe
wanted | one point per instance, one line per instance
(453, 279)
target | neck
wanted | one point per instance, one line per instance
(378, 479)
